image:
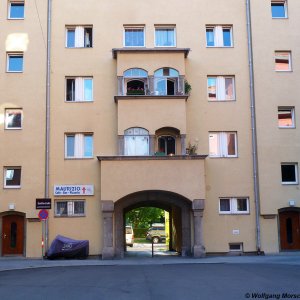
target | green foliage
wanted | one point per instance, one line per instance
(187, 87)
(143, 217)
(140, 232)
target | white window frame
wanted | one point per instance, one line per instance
(233, 204)
(6, 174)
(296, 182)
(221, 88)
(9, 9)
(12, 54)
(70, 208)
(79, 89)
(289, 59)
(80, 38)
(131, 136)
(292, 111)
(222, 144)
(12, 110)
(165, 27)
(133, 27)
(284, 2)
(236, 244)
(218, 35)
(79, 145)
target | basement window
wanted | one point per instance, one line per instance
(236, 247)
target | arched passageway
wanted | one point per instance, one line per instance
(184, 215)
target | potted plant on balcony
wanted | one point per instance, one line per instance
(135, 91)
(192, 148)
(187, 87)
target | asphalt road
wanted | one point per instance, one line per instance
(180, 281)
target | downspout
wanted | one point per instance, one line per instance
(253, 130)
(47, 154)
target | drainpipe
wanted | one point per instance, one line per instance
(47, 154)
(253, 130)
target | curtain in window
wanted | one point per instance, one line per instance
(219, 36)
(79, 89)
(165, 37)
(79, 36)
(136, 145)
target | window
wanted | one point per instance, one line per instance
(279, 9)
(165, 37)
(283, 61)
(79, 145)
(289, 173)
(13, 118)
(236, 247)
(15, 62)
(166, 81)
(79, 89)
(223, 144)
(70, 208)
(219, 36)
(220, 88)
(234, 205)
(16, 10)
(136, 141)
(12, 177)
(79, 37)
(286, 117)
(134, 37)
(135, 82)
(166, 145)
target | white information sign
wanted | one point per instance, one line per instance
(71, 190)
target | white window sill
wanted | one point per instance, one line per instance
(289, 183)
(15, 128)
(12, 187)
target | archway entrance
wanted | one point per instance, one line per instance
(179, 208)
(156, 230)
(289, 229)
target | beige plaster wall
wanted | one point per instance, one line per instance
(121, 178)
(152, 114)
(24, 148)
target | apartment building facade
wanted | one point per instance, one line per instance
(112, 124)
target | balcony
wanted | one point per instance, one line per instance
(166, 82)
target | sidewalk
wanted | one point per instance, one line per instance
(17, 263)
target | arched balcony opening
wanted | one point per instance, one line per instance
(135, 82)
(166, 82)
(136, 141)
(168, 141)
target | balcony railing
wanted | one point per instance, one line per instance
(152, 86)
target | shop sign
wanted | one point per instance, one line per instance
(73, 190)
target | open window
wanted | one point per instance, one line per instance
(167, 140)
(166, 81)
